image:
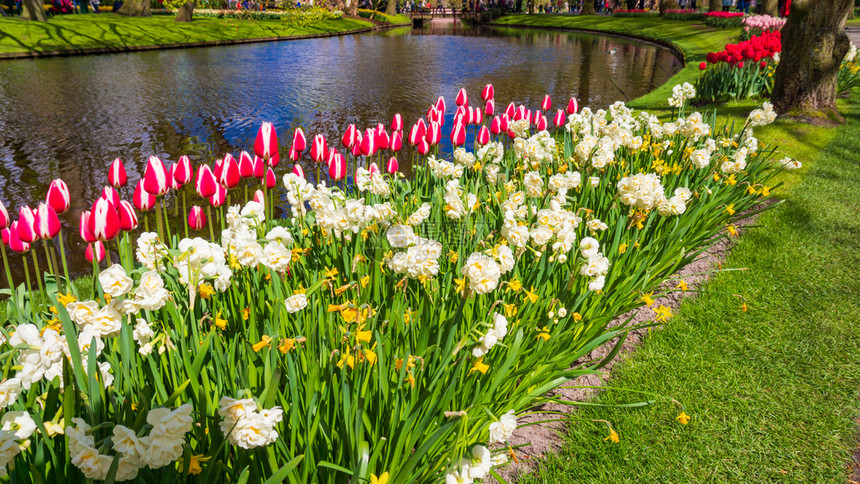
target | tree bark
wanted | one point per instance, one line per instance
(715, 5)
(33, 11)
(771, 7)
(135, 8)
(391, 8)
(352, 8)
(186, 12)
(814, 43)
(587, 7)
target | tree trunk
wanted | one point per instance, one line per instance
(814, 43)
(135, 8)
(352, 8)
(587, 7)
(771, 7)
(186, 11)
(715, 6)
(391, 8)
(33, 10)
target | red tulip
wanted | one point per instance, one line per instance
(266, 144)
(392, 166)
(183, 171)
(373, 169)
(423, 147)
(519, 113)
(572, 106)
(260, 197)
(478, 117)
(5, 234)
(484, 135)
(218, 168)
(271, 180)
(299, 140)
(319, 148)
(505, 123)
(397, 122)
(349, 136)
(230, 176)
(246, 165)
(116, 174)
(511, 110)
(396, 141)
(127, 216)
(458, 134)
(434, 134)
(415, 135)
(58, 196)
(488, 92)
(546, 104)
(47, 224)
(440, 104)
(490, 107)
(155, 177)
(219, 197)
(15, 242)
(110, 194)
(294, 155)
(274, 160)
(356, 149)
(259, 167)
(4, 216)
(703, 66)
(540, 122)
(84, 228)
(383, 141)
(196, 218)
(298, 171)
(104, 220)
(559, 118)
(496, 125)
(206, 184)
(175, 185)
(368, 143)
(337, 167)
(462, 97)
(27, 225)
(95, 250)
(422, 126)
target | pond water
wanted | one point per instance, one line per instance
(70, 117)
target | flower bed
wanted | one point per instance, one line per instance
(741, 70)
(755, 25)
(724, 20)
(683, 15)
(389, 329)
(304, 16)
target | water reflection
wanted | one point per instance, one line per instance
(69, 117)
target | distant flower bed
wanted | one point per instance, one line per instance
(741, 70)
(688, 14)
(759, 24)
(293, 16)
(631, 13)
(376, 15)
(724, 20)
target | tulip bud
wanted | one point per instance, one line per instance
(356, 149)
(510, 110)
(58, 196)
(246, 165)
(274, 160)
(217, 168)
(462, 97)
(260, 197)
(415, 135)
(546, 104)
(4, 216)
(397, 122)
(337, 167)
(490, 107)
(183, 171)
(392, 166)
(504, 123)
(5, 234)
(519, 113)
(104, 220)
(155, 177)
(484, 135)
(47, 224)
(559, 118)
(174, 185)
(373, 169)
(219, 197)
(230, 176)
(27, 225)
(383, 141)
(488, 92)
(423, 147)
(95, 250)
(294, 155)
(206, 185)
(299, 141)
(266, 144)
(196, 218)
(109, 193)
(271, 179)
(127, 216)
(15, 242)
(368, 143)
(572, 106)
(259, 168)
(478, 117)
(84, 228)
(496, 126)
(458, 134)
(440, 104)
(116, 174)
(541, 122)
(396, 141)
(349, 136)
(298, 171)
(434, 134)
(319, 148)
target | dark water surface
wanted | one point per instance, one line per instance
(70, 117)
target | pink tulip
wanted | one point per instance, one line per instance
(95, 250)
(484, 135)
(183, 171)
(47, 224)
(490, 107)
(540, 122)
(458, 134)
(510, 110)
(319, 148)
(266, 144)
(246, 165)
(423, 147)
(104, 220)
(368, 143)
(434, 134)
(546, 105)
(116, 174)
(174, 185)
(127, 216)
(15, 242)
(219, 197)
(271, 179)
(27, 225)
(206, 185)
(520, 113)
(396, 141)
(5, 234)
(422, 126)
(531, 117)
(572, 106)
(415, 135)
(217, 168)
(383, 141)
(299, 141)
(478, 117)
(294, 155)
(460, 113)
(397, 122)
(260, 197)
(230, 176)
(259, 168)
(440, 104)
(356, 149)
(58, 196)
(373, 169)
(505, 123)
(349, 136)
(462, 97)
(496, 125)
(109, 193)
(298, 171)
(337, 167)
(4, 217)
(274, 160)
(155, 177)
(84, 228)
(392, 166)
(559, 118)
(196, 218)
(488, 92)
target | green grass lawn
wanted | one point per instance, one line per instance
(773, 391)
(113, 31)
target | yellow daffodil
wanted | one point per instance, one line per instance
(622, 248)
(266, 341)
(646, 298)
(531, 295)
(730, 209)
(53, 309)
(453, 256)
(330, 273)
(732, 230)
(206, 290)
(286, 345)
(514, 285)
(219, 322)
(744, 307)
(410, 378)
(66, 299)
(383, 479)
(459, 285)
(342, 289)
(246, 314)
(364, 281)
(543, 333)
(613, 436)
(194, 467)
(662, 313)
(682, 285)
(479, 365)
(683, 418)
(510, 310)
